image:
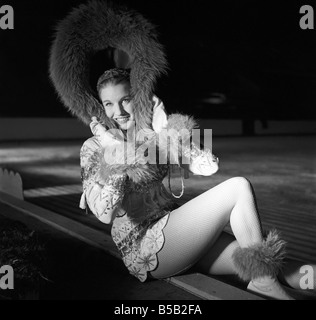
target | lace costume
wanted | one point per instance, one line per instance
(141, 210)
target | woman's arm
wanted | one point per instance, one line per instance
(103, 195)
(181, 152)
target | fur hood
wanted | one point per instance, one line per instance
(97, 36)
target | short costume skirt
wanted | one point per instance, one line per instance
(139, 245)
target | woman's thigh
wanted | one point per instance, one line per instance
(193, 228)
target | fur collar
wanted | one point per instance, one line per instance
(139, 171)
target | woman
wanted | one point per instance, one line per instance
(123, 186)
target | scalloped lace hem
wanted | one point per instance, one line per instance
(146, 259)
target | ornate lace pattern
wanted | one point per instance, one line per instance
(140, 246)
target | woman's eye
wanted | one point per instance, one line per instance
(125, 101)
(107, 104)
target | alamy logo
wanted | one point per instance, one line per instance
(6, 17)
(141, 147)
(6, 277)
(307, 280)
(307, 20)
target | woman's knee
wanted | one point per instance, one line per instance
(241, 184)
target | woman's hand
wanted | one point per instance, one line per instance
(96, 128)
(104, 136)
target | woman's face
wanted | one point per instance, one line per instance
(118, 105)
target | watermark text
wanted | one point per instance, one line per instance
(307, 20)
(164, 148)
(307, 280)
(6, 277)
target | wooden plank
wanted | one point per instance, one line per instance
(209, 288)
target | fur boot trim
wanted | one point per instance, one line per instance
(263, 259)
(98, 36)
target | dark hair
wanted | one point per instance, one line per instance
(113, 76)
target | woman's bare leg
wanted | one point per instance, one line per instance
(193, 230)
(218, 260)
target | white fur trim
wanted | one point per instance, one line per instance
(159, 115)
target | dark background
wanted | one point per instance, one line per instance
(252, 53)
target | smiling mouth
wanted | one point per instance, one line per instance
(121, 120)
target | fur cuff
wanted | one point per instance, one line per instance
(179, 125)
(126, 162)
(178, 122)
(259, 260)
